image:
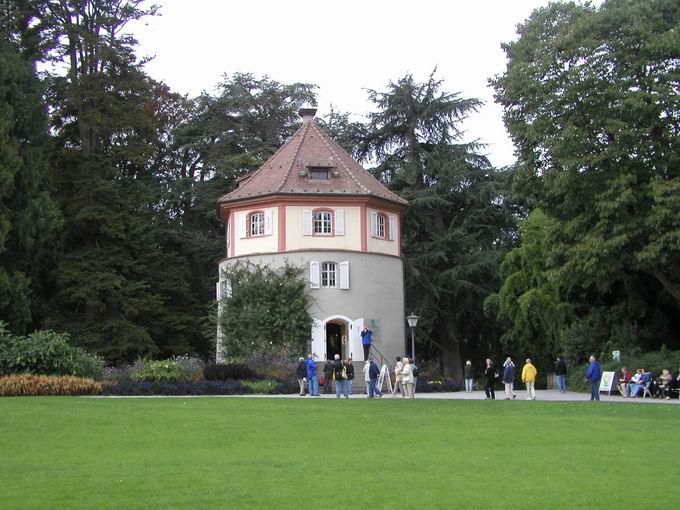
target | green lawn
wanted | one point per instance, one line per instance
(61, 452)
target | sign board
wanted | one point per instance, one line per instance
(384, 375)
(608, 382)
(373, 325)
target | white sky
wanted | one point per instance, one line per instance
(343, 47)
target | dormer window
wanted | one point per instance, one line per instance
(319, 174)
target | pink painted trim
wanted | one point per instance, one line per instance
(398, 236)
(364, 237)
(232, 227)
(282, 228)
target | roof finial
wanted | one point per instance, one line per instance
(307, 114)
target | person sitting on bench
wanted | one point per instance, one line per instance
(663, 385)
(643, 381)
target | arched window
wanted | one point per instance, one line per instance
(256, 221)
(323, 222)
(329, 273)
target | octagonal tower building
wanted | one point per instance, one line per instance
(312, 205)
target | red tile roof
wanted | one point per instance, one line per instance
(310, 146)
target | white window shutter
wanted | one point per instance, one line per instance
(268, 219)
(218, 287)
(344, 275)
(314, 274)
(340, 222)
(306, 222)
(226, 289)
(374, 224)
(393, 227)
(242, 225)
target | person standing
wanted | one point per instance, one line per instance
(302, 375)
(469, 376)
(561, 374)
(489, 380)
(327, 376)
(311, 377)
(398, 386)
(415, 371)
(367, 375)
(340, 377)
(366, 339)
(594, 375)
(529, 374)
(509, 378)
(373, 374)
(350, 375)
(407, 378)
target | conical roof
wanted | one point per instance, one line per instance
(287, 171)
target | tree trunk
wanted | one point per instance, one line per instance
(453, 363)
(668, 285)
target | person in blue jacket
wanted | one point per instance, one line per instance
(366, 339)
(311, 377)
(594, 375)
(373, 374)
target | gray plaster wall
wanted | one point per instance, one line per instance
(376, 292)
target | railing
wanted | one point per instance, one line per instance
(383, 359)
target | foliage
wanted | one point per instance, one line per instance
(263, 387)
(47, 353)
(143, 388)
(158, 371)
(29, 219)
(40, 385)
(227, 371)
(427, 385)
(459, 221)
(274, 364)
(590, 100)
(266, 311)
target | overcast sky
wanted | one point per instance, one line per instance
(343, 47)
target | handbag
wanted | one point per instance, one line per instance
(344, 371)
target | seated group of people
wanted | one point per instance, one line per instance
(633, 385)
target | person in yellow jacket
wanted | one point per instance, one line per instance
(529, 378)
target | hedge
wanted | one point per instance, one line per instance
(37, 385)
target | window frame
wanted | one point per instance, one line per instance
(319, 170)
(327, 274)
(380, 216)
(249, 224)
(331, 225)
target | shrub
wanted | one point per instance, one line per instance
(157, 371)
(264, 387)
(285, 387)
(47, 353)
(655, 362)
(426, 385)
(35, 385)
(226, 371)
(192, 368)
(132, 388)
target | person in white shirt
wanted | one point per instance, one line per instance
(398, 386)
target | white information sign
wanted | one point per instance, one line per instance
(608, 382)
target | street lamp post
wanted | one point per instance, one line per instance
(413, 322)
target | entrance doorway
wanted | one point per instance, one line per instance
(336, 339)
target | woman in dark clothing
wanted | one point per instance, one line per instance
(327, 378)
(490, 379)
(561, 373)
(350, 375)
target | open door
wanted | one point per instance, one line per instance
(319, 340)
(355, 345)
